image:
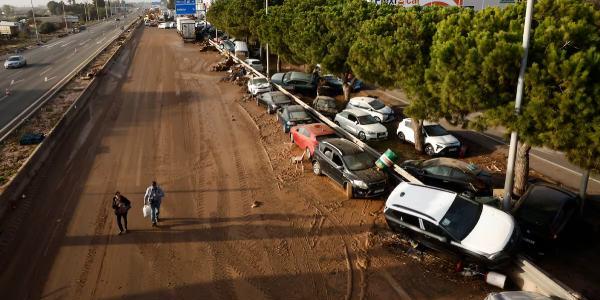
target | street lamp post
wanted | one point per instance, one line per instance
(37, 36)
(65, 17)
(510, 172)
(267, 13)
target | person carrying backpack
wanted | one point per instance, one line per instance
(121, 205)
(153, 197)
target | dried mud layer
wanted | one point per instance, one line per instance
(12, 154)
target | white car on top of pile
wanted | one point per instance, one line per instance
(373, 106)
(259, 85)
(437, 140)
(450, 222)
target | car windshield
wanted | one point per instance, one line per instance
(461, 218)
(259, 80)
(435, 130)
(453, 163)
(14, 58)
(541, 206)
(298, 115)
(287, 76)
(366, 120)
(358, 161)
(280, 99)
(376, 104)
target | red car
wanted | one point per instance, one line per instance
(307, 136)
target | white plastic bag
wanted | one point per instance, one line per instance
(146, 210)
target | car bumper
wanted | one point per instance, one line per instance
(377, 136)
(450, 150)
(368, 193)
(260, 90)
(12, 66)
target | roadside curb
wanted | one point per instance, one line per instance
(13, 190)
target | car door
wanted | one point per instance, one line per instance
(343, 121)
(337, 171)
(326, 167)
(435, 237)
(303, 136)
(438, 176)
(409, 134)
(460, 181)
(352, 126)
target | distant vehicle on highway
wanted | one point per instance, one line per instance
(15, 61)
(448, 222)
(544, 213)
(258, 85)
(451, 174)
(307, 136)
(273, 100)
(373, 106)
(437, 140)
(292, 115)
(299, 82)
(361, 125)
(349, 166)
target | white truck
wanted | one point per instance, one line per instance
(187, 29)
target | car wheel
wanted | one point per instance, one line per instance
(429, 150)
(401, 137)
(362, 136)
(307, 153)
(378, 119)
(317, 168)
(349, 190)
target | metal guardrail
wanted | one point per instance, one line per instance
(527, 275)
(29, 111)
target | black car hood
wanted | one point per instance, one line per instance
(370, 175)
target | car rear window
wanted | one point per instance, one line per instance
(435, 130)
(461, 218)
(376, 104)
(298, 115)
(541, 205)
(281, 99)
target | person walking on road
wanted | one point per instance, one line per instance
(153, 197)
(121, 205)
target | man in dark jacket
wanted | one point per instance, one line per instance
(121, 205)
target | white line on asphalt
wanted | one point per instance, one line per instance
(67, 44)
(46, 71)
(82, 43)
(3, 97)
(100, 41)
(46, 79)
(53, 44)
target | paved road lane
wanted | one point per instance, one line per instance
(49, 64)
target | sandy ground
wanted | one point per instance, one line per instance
(167, 118)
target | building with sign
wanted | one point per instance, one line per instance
(475, 4)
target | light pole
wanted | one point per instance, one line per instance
(267, 13)
(105, 11)
(65, 17)
(512, 153)
(97, 10)
(37, 36)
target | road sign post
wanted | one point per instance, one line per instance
(185, 7)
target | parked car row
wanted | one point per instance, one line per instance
(443, 213)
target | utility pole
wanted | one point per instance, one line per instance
(97, 10)
(37, 36)
(65, 17)
(510, 167)
(87, 12)
(105, 10)
(267, 13)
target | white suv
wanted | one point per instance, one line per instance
(446, 221)
(437, 140)
(372, 106)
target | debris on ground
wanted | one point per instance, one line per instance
(223, 65)
(205, 46)
(256, 204)
(31, 138)
(237, 75)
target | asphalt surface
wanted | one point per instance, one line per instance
(49, 64)
(552, 164)
(238, 220)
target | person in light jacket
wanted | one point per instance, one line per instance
(153, 197)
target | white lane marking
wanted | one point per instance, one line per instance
(53, 44)
(14, 82)
(3, 97)
(46, 79)
(84, 42)
(46, 70)
(100, 41)
(67, 44)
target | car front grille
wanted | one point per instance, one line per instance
(377, 185)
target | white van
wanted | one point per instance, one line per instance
(241, 50)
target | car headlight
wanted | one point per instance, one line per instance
(360, 184)
(290, 123)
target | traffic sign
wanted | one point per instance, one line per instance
(185, 7)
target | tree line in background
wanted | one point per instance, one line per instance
(453, 63)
